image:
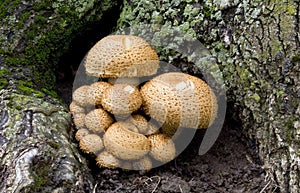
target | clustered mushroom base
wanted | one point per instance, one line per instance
(129, 125)
(116, 131)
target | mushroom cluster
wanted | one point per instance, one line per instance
(127, 124)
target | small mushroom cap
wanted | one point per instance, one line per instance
(107, 160)
(79, 96)
(121, 99)
(125, 144)
(162, 147)
(75, 108)
(98, 120)
(121, 56)
(142, 124)
(81, 133)
(95, 92)
(91, 143)
(179, 100)
(79, 119)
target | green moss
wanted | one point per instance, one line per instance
(27, 89)
(8, 4)
(49, 31)
(3, 84)
(4, 73)
(255, 97)
(41, 172)
(296, 58)
(54, 144)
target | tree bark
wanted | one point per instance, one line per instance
(257, 47)
(36, 150)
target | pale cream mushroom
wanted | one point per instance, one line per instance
(116, 56)
(124, 143)
(179, 100)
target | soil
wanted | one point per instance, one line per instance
(230, 166)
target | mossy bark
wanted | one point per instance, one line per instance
(37, 153)
(257, 47)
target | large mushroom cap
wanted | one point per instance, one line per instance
(121, 56)
(124, 143)
(179, 100)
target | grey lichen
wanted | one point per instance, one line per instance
(37, 149)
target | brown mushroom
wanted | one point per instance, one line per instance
(79, 120)
(91, 144)
(81, 133)
(121, 99)
(162, 147)
(117, 56)
(179, 100)
(142, 124)
(79, 96)
(95, 92)
(98, 120)
(124, 143)
(75, 108)
(107, 160)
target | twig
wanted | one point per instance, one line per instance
(180, 188)
(265, 187)
(95, 187)
(145, 180)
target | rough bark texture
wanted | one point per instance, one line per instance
(257, 47)
(36, 151)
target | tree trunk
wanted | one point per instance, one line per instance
(257, 47)
(36, 151)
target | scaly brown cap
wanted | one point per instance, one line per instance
(162, 147)
(91, 143)
(179, 100)
(117, 56)
(124, 143)
(98, 120)
(107, 160)
(95, 92)
(121, 99)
